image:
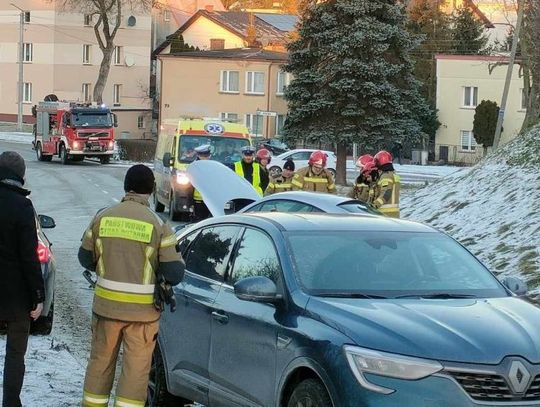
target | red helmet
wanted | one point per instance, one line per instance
(382, 157)
(263, 153)
(317, 157)
(368, 168)
(363, 160)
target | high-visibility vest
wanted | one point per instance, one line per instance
(256, 182)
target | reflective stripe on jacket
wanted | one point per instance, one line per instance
(278, 184)
(256, 175)
(362, 192)
(386, 198)
(305, 180)
(129, 241)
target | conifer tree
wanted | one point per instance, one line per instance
(468, 33)
(353, 77)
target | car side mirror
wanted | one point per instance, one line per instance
(46, 222)
(167, 160)
(257, 289)
(516, 285)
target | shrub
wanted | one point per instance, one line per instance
(136, 150)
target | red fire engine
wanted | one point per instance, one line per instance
(73, 131)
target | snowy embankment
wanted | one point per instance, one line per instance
(493, 209)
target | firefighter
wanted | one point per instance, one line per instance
(200, 209)
(364, 186)
(251, 171)
(263, 158)
(315, 177)
(281, 183)
(386, 197)
(127, 245)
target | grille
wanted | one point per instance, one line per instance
(99, 134)
(486, 387)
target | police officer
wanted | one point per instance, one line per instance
(251, 171)
(386, 197)
(199, 207)
(315, 177)
(127, 245)
(281, 183)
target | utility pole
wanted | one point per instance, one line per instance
(20, 82)
(515, 40)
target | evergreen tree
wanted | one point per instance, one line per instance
(353, 77)
(427, 19)
(485, 122)
(468, 33)
(178, 45)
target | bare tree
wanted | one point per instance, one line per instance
(107, 16)
(530, 47)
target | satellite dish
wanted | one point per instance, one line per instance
(131, 21)
(129, 60)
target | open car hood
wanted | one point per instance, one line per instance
(219, 185)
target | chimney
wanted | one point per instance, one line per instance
(209, 7)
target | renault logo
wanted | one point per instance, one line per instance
(519, 377)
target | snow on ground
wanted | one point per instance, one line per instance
(15, 137)
(492, 209)
(53, 377)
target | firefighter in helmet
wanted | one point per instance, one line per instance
(386, 197)
(282, 183)
(251, 171)
(365, 184)
(263, 158)
(130, 249)
(361, 187)
(200, 210)
(315, 177)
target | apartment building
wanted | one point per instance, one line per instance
(244, 85)
(61, 56)
(463, 81)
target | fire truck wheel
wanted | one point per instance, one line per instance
(64, 157)
(105, 159)
(39, 152)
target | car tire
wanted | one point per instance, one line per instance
(173, 215)
(157, 394)
(274, 171)
(64, 157)
(44, 324)
(158, 206)
(310, 392)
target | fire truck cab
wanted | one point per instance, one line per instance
(73, 131)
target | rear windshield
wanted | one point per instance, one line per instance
(224, 149)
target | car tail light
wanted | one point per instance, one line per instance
(44, 254)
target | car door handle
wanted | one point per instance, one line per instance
(220, 317)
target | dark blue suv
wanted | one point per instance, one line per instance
(324, 310)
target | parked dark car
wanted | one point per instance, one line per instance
(320, 310)
(275, 146)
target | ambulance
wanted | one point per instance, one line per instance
(175, 150)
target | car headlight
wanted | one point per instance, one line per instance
(182, 178)
(364, 361)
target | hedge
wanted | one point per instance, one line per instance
(136, 150)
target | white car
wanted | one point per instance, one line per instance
(300, 158)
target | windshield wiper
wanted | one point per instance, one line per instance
(350, 295)
(442, 296)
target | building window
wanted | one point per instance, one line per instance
(523, 99)
(468, 143)
(28, 52)
(117, 94)
(27, 92)
(229, 117)
(255, 83)
(280, 122)
(86, 54)
(230, 81)
(140, 122)
(86, 92)
(254, 123)
(282, 82)
(26, 16)
(217, 43)
(117, 57)
(87, 19)
(470, 96)
(167, 15)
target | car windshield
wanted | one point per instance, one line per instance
(358, 207)
(224, 149)
(92, 120)
(388, 265)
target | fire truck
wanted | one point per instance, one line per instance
(73, 131)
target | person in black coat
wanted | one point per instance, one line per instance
(21, 282)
